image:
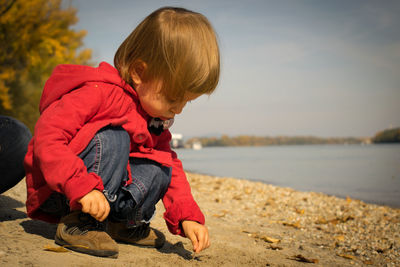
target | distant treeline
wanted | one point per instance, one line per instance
(246, 140)
(387, 136)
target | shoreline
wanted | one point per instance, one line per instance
(250, 224)
(395, 205)
(368, 173)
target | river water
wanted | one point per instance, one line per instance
(367, 172)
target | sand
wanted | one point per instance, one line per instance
(250, 223)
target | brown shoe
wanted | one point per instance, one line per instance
(142, 235)
(80, 232)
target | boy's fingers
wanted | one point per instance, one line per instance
(102, 209)
(94, 210)
(98, 210)
(86, 208)
(95, 204)
(207, 240)
(202, 240)
(106, 211)
(194, 240)
(200, 244)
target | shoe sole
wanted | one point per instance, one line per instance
(81, 249)
(138, 245)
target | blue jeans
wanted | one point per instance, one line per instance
(107, 155)
(14, 139)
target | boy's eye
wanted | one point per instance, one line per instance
(170, 100)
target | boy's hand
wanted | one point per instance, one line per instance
(96, 204)
(198, 234)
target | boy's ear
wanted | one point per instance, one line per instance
(138, 72)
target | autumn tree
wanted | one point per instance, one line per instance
(387, 136)
(35, 36)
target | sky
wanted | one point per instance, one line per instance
(304, 67)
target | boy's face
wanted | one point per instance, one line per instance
(156, 104)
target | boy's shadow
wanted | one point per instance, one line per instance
(40, 228)
(8, 210)
(176, 248)
(48, 231)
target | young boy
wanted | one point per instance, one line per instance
(100, 158)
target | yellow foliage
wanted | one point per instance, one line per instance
(35, 36)
(4, 97)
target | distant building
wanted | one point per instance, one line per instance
(196, 145)
(176, 141)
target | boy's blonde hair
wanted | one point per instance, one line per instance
(178, 46)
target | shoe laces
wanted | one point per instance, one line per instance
(140, 231)
(86, 223)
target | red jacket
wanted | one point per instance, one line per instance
(77, 101)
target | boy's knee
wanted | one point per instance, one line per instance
(115, 139)
(164, 177)
(107, 154)
(153, 175)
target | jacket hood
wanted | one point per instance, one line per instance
(66, 78)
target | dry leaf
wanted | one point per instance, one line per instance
(248, 190)
(300, 211)
(55, 249)
(321, 221)
(262, 237)
(347, 256)
(295, 225)
(62, 248)
(264, 214)
(335, 221)
(346, 218)
(301, 258)
(340, 237)
(270, 239)
(224, 212)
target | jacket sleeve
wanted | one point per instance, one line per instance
(178, 201)
(62, 169)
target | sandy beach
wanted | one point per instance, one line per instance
(250, 223)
